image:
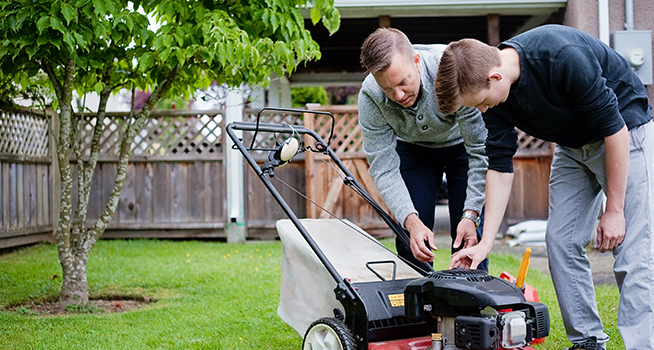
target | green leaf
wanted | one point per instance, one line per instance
(165, 54)
(274, 20)
(144, 62)
(68, 12)
(100, 8)
(43, 23)
(68, 39)
(290, 27)
(179, 39)
(180, 56)
(222, 54)
(168, 41)
(80, 40)
(22, 14)
(98, 87)
(31, 50)
(57, 24)
(42, 40)
(315, 15)
(265, 17)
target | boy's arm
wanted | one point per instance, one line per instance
(498, 190)
(611, 228)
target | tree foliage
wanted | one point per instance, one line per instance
(302, 95)
(168, 47)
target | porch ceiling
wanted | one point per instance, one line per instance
(423, 21)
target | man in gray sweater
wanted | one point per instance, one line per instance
(409, 144)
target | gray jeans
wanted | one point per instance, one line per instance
(576, 181)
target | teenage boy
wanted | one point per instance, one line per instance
(562, 85)
(409, 144)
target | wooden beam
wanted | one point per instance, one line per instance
(384, 21)
(493, 29)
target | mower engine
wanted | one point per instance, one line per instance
(473, 310)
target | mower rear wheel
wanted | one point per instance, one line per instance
(328, 333)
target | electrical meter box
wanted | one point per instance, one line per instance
(636, 47)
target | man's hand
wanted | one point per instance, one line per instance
(465, 231)
(419, 235)
(610, 231)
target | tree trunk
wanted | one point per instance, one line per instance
(74, 288)
(75, 241)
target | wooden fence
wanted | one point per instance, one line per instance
(25, 179)
(175, 179)
(175, 186)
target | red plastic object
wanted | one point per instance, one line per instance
(529, 291)
(402, 344)
(410, 344)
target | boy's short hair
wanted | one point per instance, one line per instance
(379, 49)
(463, 69)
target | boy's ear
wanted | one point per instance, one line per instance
(495, 75)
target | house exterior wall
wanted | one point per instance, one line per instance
(583, 14)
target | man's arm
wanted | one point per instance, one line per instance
(611, 228)
(498, 190)
(379, 143)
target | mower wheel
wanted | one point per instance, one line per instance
(328, 333)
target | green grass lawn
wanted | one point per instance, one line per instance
(209, 295)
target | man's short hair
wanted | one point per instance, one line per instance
(379, 49)
(463, 69)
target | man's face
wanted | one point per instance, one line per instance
(487, 98)
(401, 80)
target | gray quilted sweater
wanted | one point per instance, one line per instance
(383, 122)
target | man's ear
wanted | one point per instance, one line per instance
(416, 60)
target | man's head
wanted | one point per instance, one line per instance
(465, 74)
(388, 55)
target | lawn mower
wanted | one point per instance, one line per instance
(342, 289)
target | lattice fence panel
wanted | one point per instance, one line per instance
(162, 135)
(528, 144)
(347, 132)
(270, 140)
(24, 134)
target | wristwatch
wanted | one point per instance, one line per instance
(471, 216)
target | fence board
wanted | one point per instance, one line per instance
(143, 192)
(196, 186)
(161, 196)
(178, 182)
(126, 210)
(30, 196)
(218, 195)
(13, 197)
(4, 212)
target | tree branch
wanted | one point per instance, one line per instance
(134, 126)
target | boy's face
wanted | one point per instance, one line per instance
(401, 80)
(487, 98)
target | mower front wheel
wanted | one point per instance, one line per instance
(328, 334)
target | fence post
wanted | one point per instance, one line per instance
(235, 227)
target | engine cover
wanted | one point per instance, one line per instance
(451, 293)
